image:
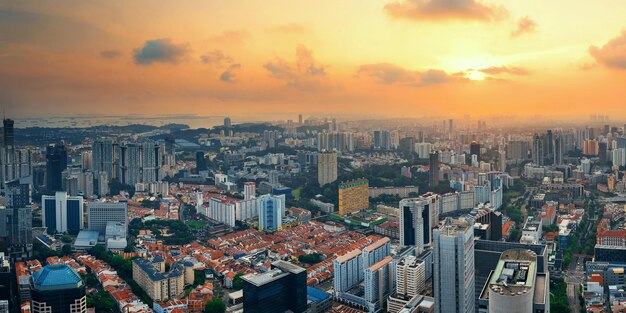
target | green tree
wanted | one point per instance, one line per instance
(215, 306)
(66, 249)
(238, 281)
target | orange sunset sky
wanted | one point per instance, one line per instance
(385, 58)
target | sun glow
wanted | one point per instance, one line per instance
(475, 75)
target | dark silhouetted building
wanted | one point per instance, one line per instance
(56, 163)
(57, 288)
(201, 163)
(602, 147)
(475, 149)
(281, 289)
(16, 237)
(433, 169)
(8, 138)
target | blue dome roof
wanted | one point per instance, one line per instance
(56, 277)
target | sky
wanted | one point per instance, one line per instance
(385, 58)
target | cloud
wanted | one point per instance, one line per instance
(291, 28)
(216, 57)
(391, 74)
(612, 54)
(231, 73)
(233, 37)
(525, 25)
(496, 70)
(160, 50)
(110, 54)
(445, 9)
(304, 74)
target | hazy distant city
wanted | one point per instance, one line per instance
(395, 156)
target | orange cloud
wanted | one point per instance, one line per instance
(391, 74)
(612, 54)
(525, 25)
(216, 58)
(161, 50)
(445, 9)
(304, 74)
(495, 70)
(230, 75)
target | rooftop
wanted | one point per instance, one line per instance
(56, 277)
(515, 273)
(264, 278)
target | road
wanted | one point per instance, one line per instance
(574, 278)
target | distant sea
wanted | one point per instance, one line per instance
(89, 121)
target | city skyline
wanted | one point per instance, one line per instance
(409, 58)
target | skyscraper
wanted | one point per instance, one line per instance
(103, 157)
(271, 212)
(433, 169)
(418, 216)
(56, 163)
(538, 150)
(227, 122)
(201, 163)
(453, 258)
(57, 288)
(515, 285)
(62, 213)
(16, 237)
(475, 149)
(559, 147)
(549, 144)
(8, 137)
(326, 167)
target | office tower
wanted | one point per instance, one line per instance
(492, 220)
(453, 259)
(16, 237)
(559, 146)
(227, 122)
(86, 159)
(378, 281)
(475, 149)
(433, 169)
(377, 139)
(99, 213)
(62, 213)
(300, 119)
(271, 212)
(418, 216)
(103, 156)
(549, 144)
(8, 134)
(602, 152)
(407, 144)
(502, 160)
(326, 167)
(201, 163)
(538, 150)
(410, 277)
(487, 254)
(57, 288)
(85, 183)
(516, 286)
(281, 289)
(150, 163)
(56, 163)
(353, 196)
(249, 190)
